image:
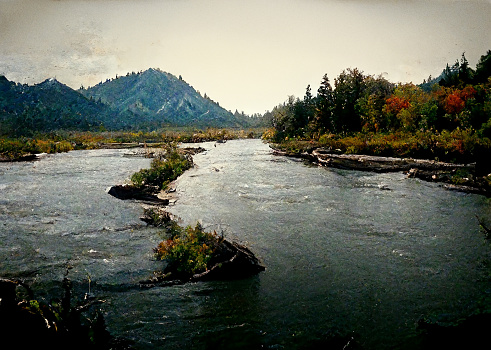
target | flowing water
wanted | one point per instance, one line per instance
(352, 254)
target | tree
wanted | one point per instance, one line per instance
(290, 118)
(450, 75)
(483, 69)
(459, 75)
(308, 95)
(349, 87)
(308, 112)
(466, 73)
(370, 104)
(324, 104)
(410, 108)
(282, 119)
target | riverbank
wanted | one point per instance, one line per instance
(458, 177)
(26, 148)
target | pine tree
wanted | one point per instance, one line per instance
(324, 104)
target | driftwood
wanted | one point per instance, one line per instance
(428, 170)
(383, 164)
(231, 262)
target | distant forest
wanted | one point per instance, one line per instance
(460, 98)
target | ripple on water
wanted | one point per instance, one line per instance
(346, 252)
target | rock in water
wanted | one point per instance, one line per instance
(131, 192)
(232, 261)
(156, 217)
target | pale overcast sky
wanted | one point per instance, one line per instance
(247, 55)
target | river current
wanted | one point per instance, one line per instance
(357, 255)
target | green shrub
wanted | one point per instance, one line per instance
(189, 251)
(163, 171)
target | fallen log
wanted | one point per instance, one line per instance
(424, 169)
(383, 164)
(234, 261)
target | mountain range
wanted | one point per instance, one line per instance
(147, 100)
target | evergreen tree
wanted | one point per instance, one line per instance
(465, 72)
(324, 105)
(450, 75)
(349, 86)
(483, 69)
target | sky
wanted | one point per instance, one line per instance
(246, 55)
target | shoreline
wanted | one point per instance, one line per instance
(448, 174)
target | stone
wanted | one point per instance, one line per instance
(125, 192)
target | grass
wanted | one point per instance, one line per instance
(64, 141)
(458, 146)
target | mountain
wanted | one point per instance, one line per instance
(147, 100)
(159, 98)
(46, 107)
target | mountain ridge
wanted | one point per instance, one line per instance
(148, 100)
(162, 98)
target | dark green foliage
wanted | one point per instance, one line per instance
(163, 171)
(322, 120)
(349, 87)
(483, 69)
(64, 323)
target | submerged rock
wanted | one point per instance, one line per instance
(156, 217)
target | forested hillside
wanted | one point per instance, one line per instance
(45, 107)
(161, 98)
(148, 101)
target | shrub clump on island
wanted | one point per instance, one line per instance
(163, 170)
(193, 254)
(189, 251)
(145, 185)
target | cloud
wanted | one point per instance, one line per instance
(246, 55)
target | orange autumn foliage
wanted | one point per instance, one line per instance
(395, 104)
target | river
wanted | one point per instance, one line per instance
(356, 255)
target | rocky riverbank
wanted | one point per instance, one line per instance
(459, 177)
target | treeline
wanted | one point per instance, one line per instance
(459, 98)
(64, 141)
(448, 117)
